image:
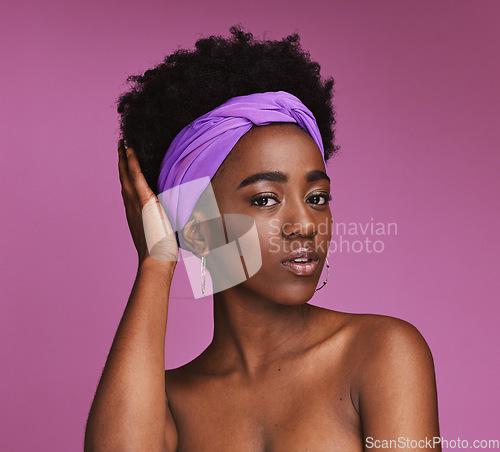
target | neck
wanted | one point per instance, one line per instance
(251, 333)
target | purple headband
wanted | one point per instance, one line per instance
(197, 152)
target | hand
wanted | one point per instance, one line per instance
(151, 231)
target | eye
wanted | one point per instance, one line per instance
(263, 200)
(320, 199)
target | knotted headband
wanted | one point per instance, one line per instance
(199, 149)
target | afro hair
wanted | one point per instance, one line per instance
(189, 83)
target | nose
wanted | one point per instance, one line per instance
(299, 221)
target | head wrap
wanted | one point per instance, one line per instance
(199, 149)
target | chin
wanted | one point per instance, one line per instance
(296, 296)
(281, 292)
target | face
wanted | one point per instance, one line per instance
(276, 175)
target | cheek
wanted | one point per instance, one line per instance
(324, 235)
(269, 233)
(325, 227)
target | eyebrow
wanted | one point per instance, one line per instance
(278, 176)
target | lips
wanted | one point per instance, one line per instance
(302, 253)
(302, 262)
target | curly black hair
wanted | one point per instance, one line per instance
(189, 83)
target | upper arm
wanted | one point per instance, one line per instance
(171, 435)
(397, 390)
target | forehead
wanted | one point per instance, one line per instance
(282, 147)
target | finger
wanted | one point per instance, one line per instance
(127, 187)
(142, 188)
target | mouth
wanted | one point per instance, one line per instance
(302, 262)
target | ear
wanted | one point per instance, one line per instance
(193, 235)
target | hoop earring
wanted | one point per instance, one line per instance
(203, 267)
(327, 274)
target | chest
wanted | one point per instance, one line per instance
(290, 410)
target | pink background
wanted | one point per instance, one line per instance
(418, 101)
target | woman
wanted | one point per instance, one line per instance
(280, 374)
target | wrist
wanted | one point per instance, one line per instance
(150, 264)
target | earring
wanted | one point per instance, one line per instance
(203, 267)
(327, 274)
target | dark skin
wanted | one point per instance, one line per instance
(280, 374)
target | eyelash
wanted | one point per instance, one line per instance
(326, 197)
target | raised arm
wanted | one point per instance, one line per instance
(397, 397)
(130, 410)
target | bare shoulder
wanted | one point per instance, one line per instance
(383, 344)
(389, 328)
(373, 334)
(394, 368)
(396, 383)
